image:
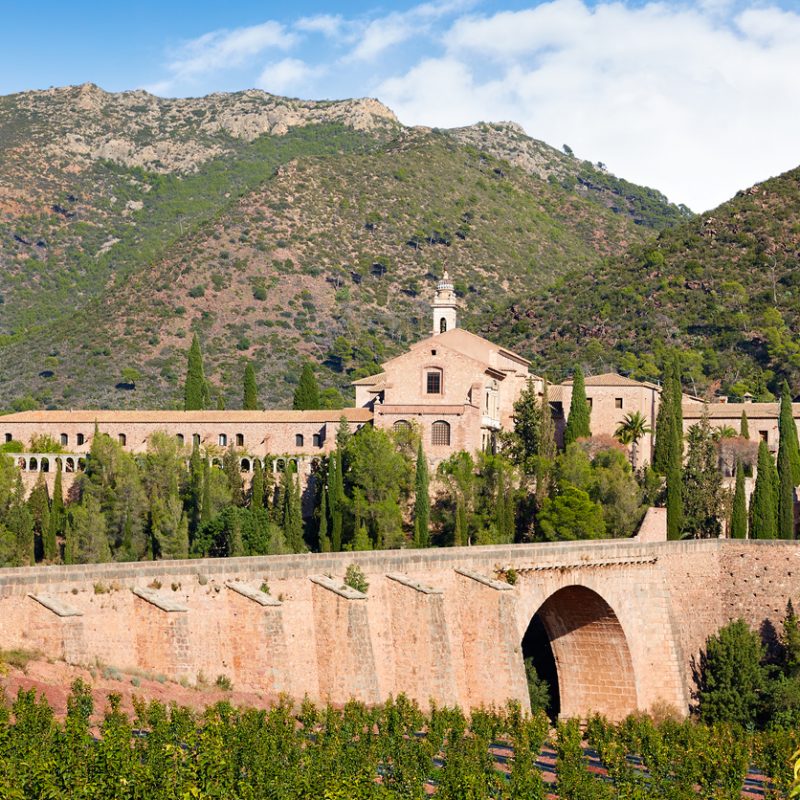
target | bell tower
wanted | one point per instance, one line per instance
(444, 306)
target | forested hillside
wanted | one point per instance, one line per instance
(722, 289)
(276, 229)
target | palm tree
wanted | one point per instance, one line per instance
(632, 428)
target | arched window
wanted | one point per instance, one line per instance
(33, 465)
(240, 440)
(280, 465)
(196, 439)
(440, 433)
(223, 440)
(433, 381)
(442, 325)
(298, 440)
(45, 465)
(69, 465)
(401, 425)
(80, 439)
(64, 439)
(245, 466)
(179, 437)
(123, 439)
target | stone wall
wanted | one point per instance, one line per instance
(626, 618)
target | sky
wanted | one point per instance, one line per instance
(697, 99)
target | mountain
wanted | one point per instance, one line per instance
(277, 229)
(721, 289)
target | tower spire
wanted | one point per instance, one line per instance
(444, 306)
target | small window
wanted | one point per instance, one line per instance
(80, 439)
(618, 402)
(316, 440)
(298, 440)
(433, 383)
(440, 433)
(433, 352)
(179, 437)
(64, 439)
(240, 440)
(223, 440)
(123, 439)
(764, 436)
(401, 425)
(9, 438)
(589, 403)
(442, 325)
(196, 439)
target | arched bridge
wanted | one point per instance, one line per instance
(614, 625)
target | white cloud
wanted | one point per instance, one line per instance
(288, 75)
(665, 95)
(222, 49)
(330, 25)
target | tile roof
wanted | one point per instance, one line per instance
(734, 410)
(612, 379)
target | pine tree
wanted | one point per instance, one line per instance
(257, 488)
(306, 395)
(787, 431)
(578, 422)
(19, 521)
(744, 427)
(738, 529)
(169, 527)
(324, 541)
(674, 503)
(422, 500)
(250, 402)
(87, 536)
(196, 393)
(763, 505)
(57, 518)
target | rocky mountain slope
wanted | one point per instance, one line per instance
(722, 289)
(277, 229)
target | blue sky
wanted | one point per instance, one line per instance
(698, 99)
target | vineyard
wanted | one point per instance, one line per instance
(357, 753)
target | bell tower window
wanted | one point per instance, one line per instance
(442, 325)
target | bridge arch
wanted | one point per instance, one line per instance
(578, 644)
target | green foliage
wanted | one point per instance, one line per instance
(763, 503)
(732, 678)
(702, 484)
(578, 424)
(422, 501)
(250, 400)
(738, 526)
(354, 578)
(572, 514)
(788, 466)
(306, 395)
(196, 394)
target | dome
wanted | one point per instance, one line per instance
(445, 284)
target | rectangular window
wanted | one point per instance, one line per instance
(64, 439)
(80, 439)
(764, 435)
(240, 440)
(317, 440)
(223, 440)
(618, 402)
(589, 403)
(9, 437)
(434, 382)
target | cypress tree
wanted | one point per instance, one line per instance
(547, 448)
(56, 519)
(257, 488)
(787, 431)
(205, 511)
(738, 529)
(422, 500)
(744, 427)
(578, 422)
(196, 394)
(250, 402)
(674, 502)
(677, 409)
(665, 424)
(39, 505)
(220, 402)
(233, 472)
(292, 511)
(786, 485)
(763, 506)
(306, 395)
(336, 499)
(324, 541)
(194, 491)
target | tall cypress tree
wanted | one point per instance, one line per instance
(39, 505)
(194, 491)
(336, 499)
(250, 401)
(786, 486)
(578, 422)
(787, 431)
(744, 426)
(292, 510)
(206, 509)
(57, 519)
(665, 425)
(738, 529)
(257, 487)
(324, 540)
(196, 393)
(422, 500)
(674, 502)
(677, 408)
(306, 395)
(763, 505)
